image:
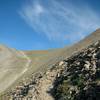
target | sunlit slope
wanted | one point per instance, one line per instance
(12, 66)
(93, 37)
(40, 59)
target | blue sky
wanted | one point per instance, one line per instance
(45, 24)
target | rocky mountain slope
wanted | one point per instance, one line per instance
(33, 72)
(80, 79)
(74, 78)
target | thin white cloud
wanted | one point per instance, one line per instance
(59, 21)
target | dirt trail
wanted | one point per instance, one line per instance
(27, 64)
(28, 59)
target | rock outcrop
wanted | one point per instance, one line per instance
(80, 79)
(39, 86)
